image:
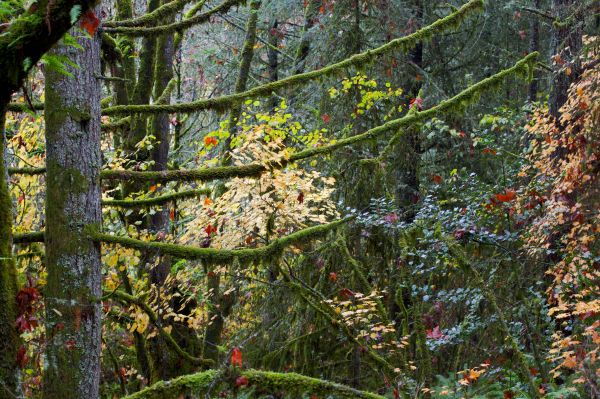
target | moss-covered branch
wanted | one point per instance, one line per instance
(25, 107)
(143, 304)
(295, 385)
(523, 67)
(27, 171)
(176, 26)
(29, 237)
(158, 200)
(150, 18)
(221, 103)
(221, 255)
(123, 122)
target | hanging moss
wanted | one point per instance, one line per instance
(220, 255)
(159, 200)
(176, 26)
(225, 102)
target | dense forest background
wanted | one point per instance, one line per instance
(299, 199)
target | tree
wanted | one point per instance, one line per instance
(44, 24)
(73, 161)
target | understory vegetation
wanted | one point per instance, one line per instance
(299, 199)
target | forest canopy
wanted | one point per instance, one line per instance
(303, 199)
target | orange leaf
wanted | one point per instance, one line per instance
(508, 196)
(153, 188)
(437, 179)
(333, 276)
(89, 22)
(236, 357)
(209, 141)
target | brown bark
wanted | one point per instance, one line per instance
(566, 43)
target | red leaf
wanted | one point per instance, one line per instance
(418, 102)
(489, 151)
(333, 276)
(89, 22)
(437, 179)
(236, 357)
(507, 196)
(241, 381)
(210, 229)
(508, 395)
(436, 333)
(172, 214)
(300, 197)
(22, 358)
(210, 141)
(346, 293)
(326, 118)
(70, 344)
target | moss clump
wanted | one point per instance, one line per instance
(204, 383)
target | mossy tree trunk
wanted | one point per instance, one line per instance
(9, 344)
(73, 161)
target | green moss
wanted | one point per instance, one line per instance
(27, 238)
(26, 171)
(293, 384)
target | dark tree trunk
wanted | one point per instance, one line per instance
(566, 44)
(534, 45)
(310, 16)
(273, 60)
(10, 342)
(73, 161)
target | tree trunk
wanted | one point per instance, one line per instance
(566, 44)
(534, 45)
(73, 161)
(9, 344)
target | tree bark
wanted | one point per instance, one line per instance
(73, 161)
(534, 45)
(566, 44)
(10, 342)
